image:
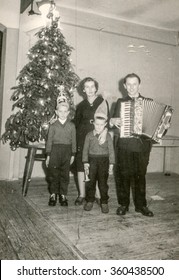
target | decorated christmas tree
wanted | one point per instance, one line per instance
(47, 76)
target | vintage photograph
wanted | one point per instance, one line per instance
(89, 134)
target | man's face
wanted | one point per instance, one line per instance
(132, 86)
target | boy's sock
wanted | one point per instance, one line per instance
(52, 199)
(63, 200)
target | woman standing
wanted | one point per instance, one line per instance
(84, 123)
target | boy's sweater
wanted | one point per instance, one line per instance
(64, 134)
(93, 149)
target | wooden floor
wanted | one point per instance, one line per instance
(30, 229)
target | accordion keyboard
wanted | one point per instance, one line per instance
(126, 119)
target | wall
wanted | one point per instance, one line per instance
(107, 50)
(9, 24)
(175, 121)
(10, 13)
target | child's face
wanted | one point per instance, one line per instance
(62, 112)
(90, 89)
(99, 125)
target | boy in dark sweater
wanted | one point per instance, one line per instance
(98, 163)
(60, 149)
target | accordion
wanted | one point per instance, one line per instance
(144, 117)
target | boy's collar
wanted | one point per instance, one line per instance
(62, 121)
(95, 133)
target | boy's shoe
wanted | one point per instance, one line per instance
(104, 208)
(63, 200)
(52, 199)
(79, 200)
(88, 206)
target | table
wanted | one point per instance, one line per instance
(167, 143)
(32, 156)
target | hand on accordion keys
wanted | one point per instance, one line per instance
(116, 122)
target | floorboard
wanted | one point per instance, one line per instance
(30, 229)
(26, 233)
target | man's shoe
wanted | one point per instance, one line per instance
(121, 210)
(52, 200)
(79, 200)
(88, 206)
(104, 208)
(145, 211)
(63, 200)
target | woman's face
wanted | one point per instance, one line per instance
(90, 89)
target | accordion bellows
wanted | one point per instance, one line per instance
(144, 117)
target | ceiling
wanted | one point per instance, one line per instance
(158, 13)
(163, 14)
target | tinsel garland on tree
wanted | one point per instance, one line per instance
(48, 74)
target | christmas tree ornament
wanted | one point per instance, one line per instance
(19, 104)
(29, 94)
(30, 122)
(14, 98)
(35, 112)
(32, 139)
(41, 101)
(17, 120)
(45, 126)
(55, 25)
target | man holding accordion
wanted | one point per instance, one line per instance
(141, 122)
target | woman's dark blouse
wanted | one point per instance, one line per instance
(84, 115)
